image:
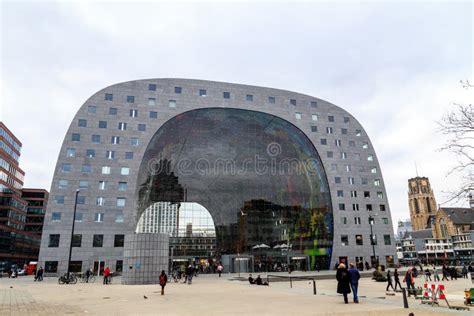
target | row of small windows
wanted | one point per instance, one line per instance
(344, 156)
(203, 93)
(98, 217)
(102, 185)
(124, 171)
(359, 240)
(315, 117)
(76, 137)
(351, 181)
(330, 130)
(81, 200)
(357, 220)
(97, 240)
(338, 142)
(353, 194)
(355, 207)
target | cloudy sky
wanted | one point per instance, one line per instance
(395, 66)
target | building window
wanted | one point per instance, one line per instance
(122, 126)
(86, 168)
(120, 202)
(344, 220)
(151, 101)
(81, 200)
(314, 104)
(129, 155)
(119, 266)
(100, 201)
(172, 103)
(348, 168)
(76, 240)
(119, 217)
(133, 113)
(130, 99)
(152, 87)
(368, 207)
(91, 109)
(343, 155)
(330, 118)
(370, 157)
(62, 184)
(385, 220)
(292, 102)
(70, 152)
(382, 207)
(95, 138)
(329, 154)
(380, 195)
(337, 142)
(109, 97)
(226, 95)
(202, 93)
(99, 217)
(358, 133)
(324, 141)
(353, 194)
(314, 129)
(377, 182)
(344, 240)
(59, 199)
(337, 179)
(90, 153)
(82, 123)
(373, 239)
(271, 100)
(387, 240)
(373, 170)
(125, 171)
(110, 154)
(78, 217)
(342, 207)
(355, 207)
(105, 169)
(97, 241)
(51, 266)
(357, 156)
(134, 141)
(141, 127)
(334, 167)
(56, 217)
(346, 120)
(367, 194)
(178, 90)
(83, 184)
(350, 180)
(365, 145)
(359, 241)
(364, 181)
(249, 97)
(102, 124)
(357, 220)
(340, 193)
(115, 140)
(76, 137)
(153, 114)
(344, 131)
(122, 186)
(102, 185)
(119, 240)
(53, 241)
(352, 143)
(298, 116)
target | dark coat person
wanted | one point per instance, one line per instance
(343, 286)
(354, 277)
(163, 281)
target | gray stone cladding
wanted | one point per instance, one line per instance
(144, 257)
(347, 155)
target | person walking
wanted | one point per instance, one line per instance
(464, 271)
(409, 279)
(389, 281)
(354, 277)
(220, 268)
(427, 274)
(435, 274)
(396, 279)
(106, 275)
(88, 275)
(163, 281)
(445, 272)
(343, 282)
(190, 274)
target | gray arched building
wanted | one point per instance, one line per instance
(274, 169)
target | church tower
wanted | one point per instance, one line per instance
(421, 202)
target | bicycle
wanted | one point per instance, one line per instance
(65, 279)
(84, 278)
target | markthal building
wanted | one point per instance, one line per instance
(255, 178)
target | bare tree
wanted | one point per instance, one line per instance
(458, 125)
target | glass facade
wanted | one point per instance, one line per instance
(258, 176)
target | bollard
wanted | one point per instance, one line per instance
(291, 284)
(405, 301)
(314, 287)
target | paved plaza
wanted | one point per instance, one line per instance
(211, 295)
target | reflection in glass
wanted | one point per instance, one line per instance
(239, 165)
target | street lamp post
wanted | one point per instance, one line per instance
(372, 237)
(72, 233)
